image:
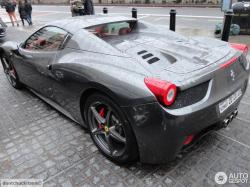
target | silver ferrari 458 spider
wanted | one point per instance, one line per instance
(144, 93)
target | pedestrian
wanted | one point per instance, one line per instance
(76, 8)
(28, 9)
(73, 8)
(88, 7)
(22, 12)
(10, 9)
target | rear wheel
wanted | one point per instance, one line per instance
(110, 130)
(10, 72)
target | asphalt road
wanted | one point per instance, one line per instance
(187, 17)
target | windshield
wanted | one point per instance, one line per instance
(112, 29)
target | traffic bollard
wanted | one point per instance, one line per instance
(172, 19)
(105, 10)
(134, 13)
(227, 24)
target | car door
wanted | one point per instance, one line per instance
(37, 54)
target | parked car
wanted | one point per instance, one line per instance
(142, 91)
(2, 32)
(3, 27)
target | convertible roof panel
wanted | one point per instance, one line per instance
(73, 24)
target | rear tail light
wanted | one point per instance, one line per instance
(228, 63)
(188, 140)
(164, 91)
(244, 49)
(240, 47)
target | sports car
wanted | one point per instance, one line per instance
(144, 93)
(3, 27)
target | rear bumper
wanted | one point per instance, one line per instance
(161, 133)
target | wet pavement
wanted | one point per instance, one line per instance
(36, 141)
(187, 17)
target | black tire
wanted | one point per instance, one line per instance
(10, 72)
(114, 138)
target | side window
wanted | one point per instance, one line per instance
(46, 39)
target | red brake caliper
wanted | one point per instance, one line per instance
(101, 113)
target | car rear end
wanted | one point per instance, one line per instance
(2, 29)
(181, 114)
(2, 32)
(193, 83)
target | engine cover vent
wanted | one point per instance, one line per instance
(153, 60)
(147, 55)
(141, 52)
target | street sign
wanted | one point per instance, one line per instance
(226, 5)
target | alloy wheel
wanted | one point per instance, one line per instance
(107, 129)
(9, 71)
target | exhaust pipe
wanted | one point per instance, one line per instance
(235, 113)
(231, 117)
(225, 122)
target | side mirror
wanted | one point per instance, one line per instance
(21, 52)
(17, 51)
(20, 45)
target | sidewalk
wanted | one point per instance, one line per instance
(244, 39)
(160, 5)
(5, 17)
(141, 5)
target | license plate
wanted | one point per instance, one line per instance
(229, 101)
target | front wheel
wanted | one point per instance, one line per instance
(110, 130)
(10, 73)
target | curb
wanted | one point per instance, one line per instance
(161, 5)
(142, 5)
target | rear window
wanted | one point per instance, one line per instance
(112, 29)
